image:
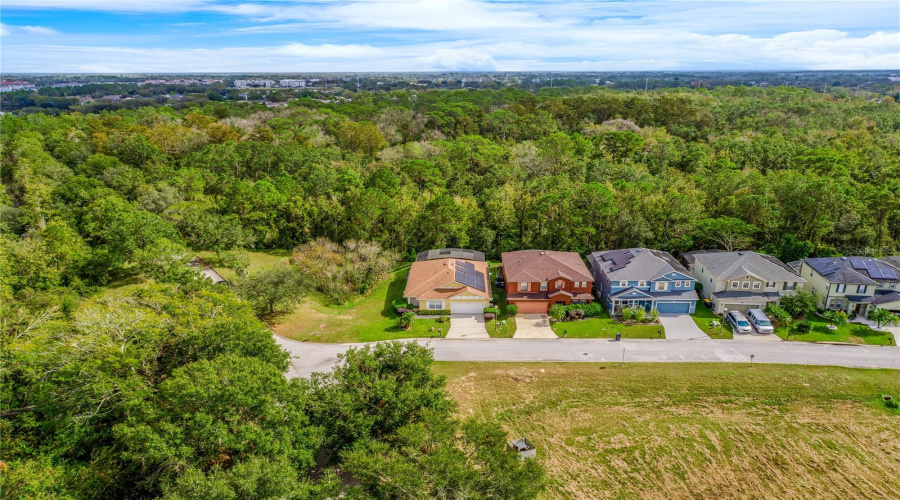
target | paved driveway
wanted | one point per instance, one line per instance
(467, 326)
(533, 326)
(681, 326)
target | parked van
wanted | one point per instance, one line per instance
(739, 322)
(760, 321)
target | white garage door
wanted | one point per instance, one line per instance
(743, 308)
(467, 307)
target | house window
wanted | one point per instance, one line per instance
(623, 283)
(642, 283)
(678, 284)
(543, 286)
(841, 288)
(734, 284)
(434, 305)
(757, 285)
(861, 289)
(746, 285)
(789, 285)
(894, 285)
(660, 286)
(559, 284)
(523, 286)
(835, 303)
(770, 284)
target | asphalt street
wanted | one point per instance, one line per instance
(308, 357)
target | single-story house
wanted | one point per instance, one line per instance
(461, 286)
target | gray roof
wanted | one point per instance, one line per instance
(882, 297)
(747, 295)
(730, 265)
(854, 270)
(689, 257)
(636, 264)
(893, 260)
(450, 253)
(667, 295)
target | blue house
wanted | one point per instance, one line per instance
(642, 277)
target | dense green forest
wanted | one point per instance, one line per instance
(118, 395)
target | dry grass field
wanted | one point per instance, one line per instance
(724, 431)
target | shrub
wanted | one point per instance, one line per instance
(443, 319)
(654, 314)
(401, 304)
(434, 312)
(639, 314)
(836, 318)
(627, 313)
(404, 311)
(800, 303)
(343, 270)
(778, 314)
(557, 311)
(405, 321)
(489, 316)
(512, 309)
(803, 327)
(490, 310)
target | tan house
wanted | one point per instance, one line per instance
(740, 281)
(461, 286)
(855, 285)
(537, 279)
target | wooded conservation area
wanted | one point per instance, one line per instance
(112, 386)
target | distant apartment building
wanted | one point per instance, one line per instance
(10, 85)
(243, 84)
(291, 83)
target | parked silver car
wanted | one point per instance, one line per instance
(739, 322)
(760, 321)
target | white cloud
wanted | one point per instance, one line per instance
(110, 5)
(7, 30)
(603, 51)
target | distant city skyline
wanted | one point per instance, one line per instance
(267, 36)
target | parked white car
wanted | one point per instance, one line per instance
(739, 322)
(760, 321)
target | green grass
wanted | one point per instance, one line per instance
(259, 260)
(853, 333)
(703, 315)
(604, 327)
(694, 430)
(367, 319)
(508, 329)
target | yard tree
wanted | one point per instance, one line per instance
(836, 318)
(778, 314)
(799, 304)
(883, 317)
(270, 289)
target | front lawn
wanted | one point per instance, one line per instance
(704, 315)
(367, 319)
(603, 327)
(508, 329)
(853, 333)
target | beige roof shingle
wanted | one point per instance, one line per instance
(436, 279)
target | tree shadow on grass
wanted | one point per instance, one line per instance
(394, 292)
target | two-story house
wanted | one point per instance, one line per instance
(641, 277)
(854, 285)
(537, 279)
(740, 281)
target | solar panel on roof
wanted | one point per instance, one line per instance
(858, 263)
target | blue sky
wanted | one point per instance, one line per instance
(441, 35)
